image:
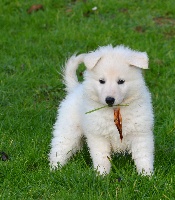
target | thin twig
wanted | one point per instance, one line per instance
(104, 107)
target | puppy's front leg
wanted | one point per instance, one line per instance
(100, 153)
(143, 153)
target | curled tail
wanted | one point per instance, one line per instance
(70, 77)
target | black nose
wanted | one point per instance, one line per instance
(110, 101)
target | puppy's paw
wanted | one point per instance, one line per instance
(144, 172)
(101, 170)
(55, 166)
(144, 167)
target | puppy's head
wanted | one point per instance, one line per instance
(114, 75)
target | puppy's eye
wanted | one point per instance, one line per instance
(102, 81)
(120, 81)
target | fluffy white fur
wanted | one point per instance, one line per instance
(109, 64)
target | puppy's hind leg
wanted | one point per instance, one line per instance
(66, 141)
(63, 147)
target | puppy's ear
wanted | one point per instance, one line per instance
(139, 59)
(91, 60)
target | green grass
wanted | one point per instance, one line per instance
(33, 47)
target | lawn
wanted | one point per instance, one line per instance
(33, 48)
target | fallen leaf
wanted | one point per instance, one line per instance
(69, 10)
(139, 29)
(4, 156)
(118, 121)
(35, 8)
(123, 10)
(164, 20)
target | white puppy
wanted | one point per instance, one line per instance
(113, 76)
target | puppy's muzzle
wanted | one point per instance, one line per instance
(110, 101)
